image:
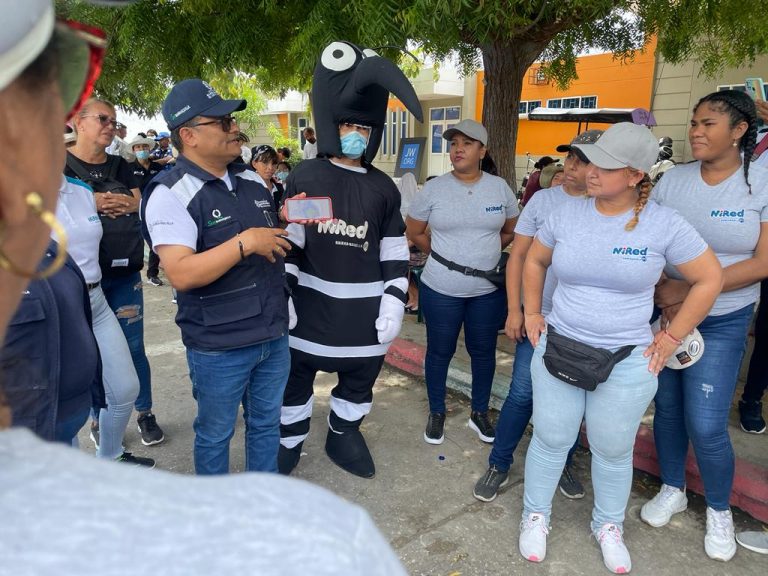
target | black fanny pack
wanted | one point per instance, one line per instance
(579, 364)
(496, 276)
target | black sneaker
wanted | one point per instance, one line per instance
(129, 458)
(479, 422)
(150, 432)
(488, 486)
(570, 487)
(434, 434)
(94, 436)
(154, 280)
(751, 416)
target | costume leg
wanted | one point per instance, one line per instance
(351, 400)
(296, 411)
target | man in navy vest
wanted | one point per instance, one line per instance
(216, 231)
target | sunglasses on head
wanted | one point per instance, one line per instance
(81, 53)
(225, 121)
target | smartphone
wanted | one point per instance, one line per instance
(755, 88)
(317, 208)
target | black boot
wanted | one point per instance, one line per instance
(346, 447)
(288, 458)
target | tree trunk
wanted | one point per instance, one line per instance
(505, 67)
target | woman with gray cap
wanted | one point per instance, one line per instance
(595, 355)
(471, 215)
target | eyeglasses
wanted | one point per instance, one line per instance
(104, 120)
(81, 55)
(225, 121)
(351, 126)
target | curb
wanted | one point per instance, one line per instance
(750, 484)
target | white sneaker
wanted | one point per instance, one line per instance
(533, 537)
(658, 511)
(720, 541)
(615, 554)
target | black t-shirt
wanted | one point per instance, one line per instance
(98, 171)
(145, 175)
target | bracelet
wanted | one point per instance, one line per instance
(242, 248)
(675, 340)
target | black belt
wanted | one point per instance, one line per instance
(93, 285)
(466, 270)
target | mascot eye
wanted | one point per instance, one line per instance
(368, 52)
(338, 57)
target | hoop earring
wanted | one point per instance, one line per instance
(35, 204)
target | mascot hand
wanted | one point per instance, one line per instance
(390, 318)
(292, 318)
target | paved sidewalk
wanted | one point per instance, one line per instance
(421, 497)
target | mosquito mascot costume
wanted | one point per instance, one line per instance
(348, 276)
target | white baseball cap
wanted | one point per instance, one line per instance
(688, 353)
(26, 30)
(623, 145)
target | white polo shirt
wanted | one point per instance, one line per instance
(77, 213)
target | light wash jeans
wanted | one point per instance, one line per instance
(121, 383)
(612, 413)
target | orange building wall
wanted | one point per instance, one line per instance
(616, 85)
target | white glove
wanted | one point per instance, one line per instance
(292, 318)
(390, 320)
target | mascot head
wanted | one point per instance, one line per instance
(353, 85)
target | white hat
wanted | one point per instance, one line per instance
(27, 28)
(623, 145)
(688, 353)
(139, 140)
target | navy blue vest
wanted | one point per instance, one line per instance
(249, 303)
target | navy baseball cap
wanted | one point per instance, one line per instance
(194, 97)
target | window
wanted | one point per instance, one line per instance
(453, 113)
(571, 102)
(393, 131)
(533, 104)
(440, 120)
(522, 108)
(742, 88)
(403, 124)
(556, 103)
(436, 114)
(589, 102)
(302, 123)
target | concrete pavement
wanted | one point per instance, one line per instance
(421, 497)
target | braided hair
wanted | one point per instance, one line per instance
(644, 188)
(740, 108)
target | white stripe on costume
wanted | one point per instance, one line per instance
(292, 441)
(393, 248)
(338, 351)
(349, 411)
(296, 234)
(342, 290)
(291, 414)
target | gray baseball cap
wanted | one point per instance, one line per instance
(623, 145)
(470, 128)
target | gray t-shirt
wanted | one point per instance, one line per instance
(465, 221)
(67, 513)
(533, 216)
(726, 215)
(606, 275)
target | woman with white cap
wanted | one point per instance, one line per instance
(595, 356)
(471, 215)
(726, 199)
(55, 499)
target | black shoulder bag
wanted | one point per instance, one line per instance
(579, 364)
(121, 251)
(496, 276)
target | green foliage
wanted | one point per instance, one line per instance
(280, 140)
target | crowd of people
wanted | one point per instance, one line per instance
(265, 301)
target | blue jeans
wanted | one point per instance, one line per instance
(126, 299)
(121, 384)
(694, 404)
(516, 411)
(612, 411)
(444, 316)
(221, 380)
(66, 430)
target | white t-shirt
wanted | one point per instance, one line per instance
(169, 221)
(67, 513)
(310, 150)
(726, 215)
(76, 211)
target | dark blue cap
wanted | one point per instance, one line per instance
(194, 97)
